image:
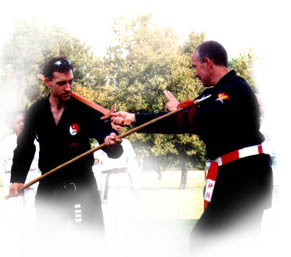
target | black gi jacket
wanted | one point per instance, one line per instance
(60, 143)
(227, 121)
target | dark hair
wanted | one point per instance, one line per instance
(13, 118)
(59, 64)
(214, 51)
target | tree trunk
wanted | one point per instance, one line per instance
(158, 170)
(140, 159)
(183, 181)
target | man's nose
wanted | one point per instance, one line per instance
(68, 86)
(196, 74)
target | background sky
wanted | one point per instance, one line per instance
(239, 25)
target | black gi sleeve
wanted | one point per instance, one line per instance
(164, 126)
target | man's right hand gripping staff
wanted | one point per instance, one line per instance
(14, 189)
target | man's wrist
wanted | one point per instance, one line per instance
(132, 117)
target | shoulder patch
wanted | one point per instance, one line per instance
(222, 96)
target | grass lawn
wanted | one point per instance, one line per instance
(164, 199)
(159, 221)
(161, 205)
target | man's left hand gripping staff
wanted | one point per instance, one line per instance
(112, 140)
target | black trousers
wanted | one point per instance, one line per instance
(70, 208)
(242, 192)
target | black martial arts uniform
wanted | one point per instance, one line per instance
(70, 194)
(227, 121)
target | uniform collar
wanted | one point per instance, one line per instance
(225, 79)
(47, 99)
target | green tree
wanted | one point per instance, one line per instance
(144, 61)
(32, 43)
(243, 66)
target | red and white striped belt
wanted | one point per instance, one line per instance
(224, 159)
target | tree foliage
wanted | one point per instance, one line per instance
(144, 61)
(32, 43)
(243, 66)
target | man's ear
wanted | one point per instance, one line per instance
(47, 82)
(209, 61)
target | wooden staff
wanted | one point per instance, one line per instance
(129, 132)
